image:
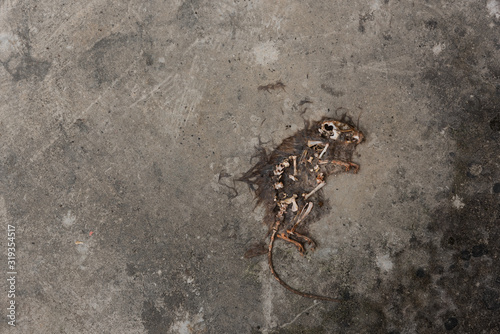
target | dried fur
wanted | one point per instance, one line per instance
(272, 86)
(260, 176)
(298, 180)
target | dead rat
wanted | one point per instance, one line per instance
(288, 182)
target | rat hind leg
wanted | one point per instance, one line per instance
(299, 246)
(303, 237)
(306, 210)
(300, 218)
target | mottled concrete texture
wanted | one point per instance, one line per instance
(124, 124)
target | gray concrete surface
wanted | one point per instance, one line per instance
(123, 125)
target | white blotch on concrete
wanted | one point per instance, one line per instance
(254, 119)
(267, 298)
(457, 202)
(189, 324)
(3, 212)
(82, 249)
(437, 49)
(8, 44)
(494, 8)
(384, 262)
(476, 169)
(287, 104)
(68, 219)
(265, 53)
(375, 5)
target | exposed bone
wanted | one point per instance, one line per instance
(334, 133)
(294, 158)
(278, 185)
(283, 207)
(312, 143)
(293, 177)
(291, 200)
(318, 187)
(303, 156)
(324, 150)
(279, 168)
(303, 214)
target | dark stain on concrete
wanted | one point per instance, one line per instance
(332, 91)
(188, 13)
(108, 58)
(26, 67)
(466, 104)
(152, 319)
(363, 18)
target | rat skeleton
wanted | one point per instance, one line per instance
(288, 181)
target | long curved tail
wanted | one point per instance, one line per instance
(289, 288)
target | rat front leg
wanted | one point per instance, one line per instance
(303, 237)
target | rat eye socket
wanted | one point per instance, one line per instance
(328, 127)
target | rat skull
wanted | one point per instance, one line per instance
(339, 131)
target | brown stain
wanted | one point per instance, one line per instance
(331, 91)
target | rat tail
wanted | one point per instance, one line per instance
(300, 293)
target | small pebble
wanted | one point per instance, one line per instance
(465, 255)
(491, 299)
(479, 250)
(450, 323)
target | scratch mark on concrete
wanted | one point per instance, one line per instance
(298, 315)
(3, 212)
(8, 5)
(191, 96)
(267, 299)
(72, 18)
(39, 153)
(154, 90)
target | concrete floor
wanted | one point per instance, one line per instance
(124, 124)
